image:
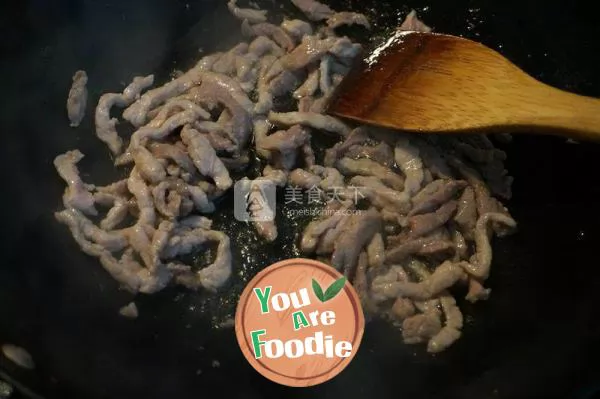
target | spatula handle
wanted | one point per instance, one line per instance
(551, 110)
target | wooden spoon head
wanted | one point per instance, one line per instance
(431, 83)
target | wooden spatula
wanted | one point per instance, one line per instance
(433, 83)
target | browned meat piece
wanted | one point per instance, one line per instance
(77, 101)
(347, 18)
(376, 251)
(286, 143)
(466, 213)
(382, 284)
(382, 153)
(420, 328)
(76, 195)
(315, 230)
(205, 158)
(420, 246)
(249, 14)
(434, 194)
(421, 225)
(413, 23)
(381, 195)
(129, 311)
(271, 31)
(353, 240)
(367, 167)
(314, 10)
(309, 87)
(444, 277)
(329, 239)
(481, 261)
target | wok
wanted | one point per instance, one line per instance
(535, 338)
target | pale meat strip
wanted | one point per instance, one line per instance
(205, 158)
(249, 14)
(106, 129)
(77, 100)
(76, 195)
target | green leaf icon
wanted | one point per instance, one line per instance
(334, 289)
(318, 290)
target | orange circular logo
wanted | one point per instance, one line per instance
(299, 322)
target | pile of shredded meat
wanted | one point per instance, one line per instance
(428, 208)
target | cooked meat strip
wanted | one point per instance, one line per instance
(249, 14)
(314, 120)
(402, 308)
(413, 23)
(76, 194)
(330, 238)
(141, 136)
(150, 168)
(420, 225)
(77, 100)
(332, 182)
(314, 10)
(345, 50)
(325, 81)
(262, 45)
(435, 194)
(381, 195)
(466, 213)
(170, 108)
(315, 229)
(304, 179)
(420, 328)
(205, 158)
(462, 249)
(361, 285)
(408, 160)
(130, 311)
(444, 277)
(433, 160)
(359, 135)
(271, 31)
(297, 28)
(277, 176)
(132, 275)
(353, 240)
(380, 287)
(310, 85)
(347, 18)
(174, 153)
(477, 292)
(310, 50)
(116, 215)
(382, 153)
(451, 330)
(481, 261)
(420, 246)
(18, 356)
(367, 167)
(213, 276)
(376, 251)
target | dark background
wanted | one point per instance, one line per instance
(537, 337)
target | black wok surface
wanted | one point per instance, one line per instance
(537, 337)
